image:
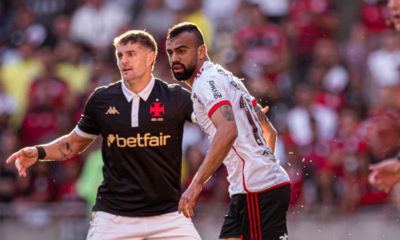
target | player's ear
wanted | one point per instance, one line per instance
(151, 57)
(202, 51)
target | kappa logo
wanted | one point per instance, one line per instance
(112, 110)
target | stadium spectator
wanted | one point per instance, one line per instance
(97, 22)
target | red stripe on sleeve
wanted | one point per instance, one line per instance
(217, 105)
(254, 102)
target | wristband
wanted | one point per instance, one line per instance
(41, 152)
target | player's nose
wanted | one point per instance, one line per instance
(174, 58)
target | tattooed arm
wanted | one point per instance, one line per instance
(226, 133)
(269, 132)
(60, 149)
(66, 146)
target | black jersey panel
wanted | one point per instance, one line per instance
(142, 165)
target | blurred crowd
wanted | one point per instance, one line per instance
(329, 71)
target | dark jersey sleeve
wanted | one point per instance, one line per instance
(88, 123)
(185, 103)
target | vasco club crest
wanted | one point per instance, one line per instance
(157, 111)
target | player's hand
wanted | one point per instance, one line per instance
(385, 174)
(188, 198)
(23, 159)
(265, 109)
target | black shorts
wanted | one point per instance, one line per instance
(258, 216)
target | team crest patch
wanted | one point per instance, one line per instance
(157, 111)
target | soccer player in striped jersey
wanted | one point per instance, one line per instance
(241, 137)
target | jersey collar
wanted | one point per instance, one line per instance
(144, 94)
(205, 66)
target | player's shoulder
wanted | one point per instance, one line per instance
(111, 88)
(171, 87)
(213, 75)
(102, 92)
(213, 72)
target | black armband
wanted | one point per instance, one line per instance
(41, 152)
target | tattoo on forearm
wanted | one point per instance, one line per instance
(261, 116)
(227, 112)
(64, 148)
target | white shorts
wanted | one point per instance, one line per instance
(106, 226)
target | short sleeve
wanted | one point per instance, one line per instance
(87, 125)
(212, 94)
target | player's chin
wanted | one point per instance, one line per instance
(179, 76)
(127, 76)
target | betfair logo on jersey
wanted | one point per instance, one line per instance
(147, 140)
(112, 110)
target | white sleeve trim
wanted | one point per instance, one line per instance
(84, 134)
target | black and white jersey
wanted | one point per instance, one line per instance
(141, 148)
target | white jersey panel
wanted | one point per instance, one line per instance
(250, 163)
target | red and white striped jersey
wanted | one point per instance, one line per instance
(250, 163)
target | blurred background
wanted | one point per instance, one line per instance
(328, 69)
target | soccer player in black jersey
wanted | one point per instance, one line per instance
(141, 120)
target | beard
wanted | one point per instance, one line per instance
(185, 74)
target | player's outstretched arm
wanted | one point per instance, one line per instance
(269, 132)
(385, 174)
(226, 133)
(62, 148)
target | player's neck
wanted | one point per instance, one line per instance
(137, 84)
(191, 80)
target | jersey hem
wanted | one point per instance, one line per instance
(244, 181)
(133, 214)
(271, 188)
